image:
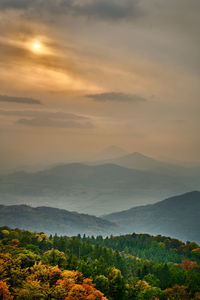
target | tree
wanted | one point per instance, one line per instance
(102, 284)
(4, 292)
(188, 264)
(77, 292)
(55, 257)
(54, 275)
(32, 289)
(117, 285)
(176, 293)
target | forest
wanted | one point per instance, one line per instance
(137, 266)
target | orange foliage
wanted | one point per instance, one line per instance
(86, 291)
(77, 292)
(54, 275)
(41, 280)
(14, 242)
(69, 278)
(177, 292)
(77, 288)
(4, 292)
(188, 264)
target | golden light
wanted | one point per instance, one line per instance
(37, 47)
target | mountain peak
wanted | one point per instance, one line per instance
(137, 160)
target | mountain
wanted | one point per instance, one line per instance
(52, 220)
(177, 217)
(139, 161)
(95, 189)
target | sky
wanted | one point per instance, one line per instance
(77, 76)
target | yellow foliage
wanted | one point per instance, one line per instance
(5, 232)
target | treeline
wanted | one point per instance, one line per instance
(156, 248)
(117, 268)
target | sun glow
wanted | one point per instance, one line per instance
(36, 47)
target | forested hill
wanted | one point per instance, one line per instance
(35, 266)
(176, 217)
(52, 220)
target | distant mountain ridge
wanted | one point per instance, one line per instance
(177, 217)
(52, 220)
(96, 189)
(142, 162)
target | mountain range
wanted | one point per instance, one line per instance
(139, 161)
(93, 189)
(177, 217)
(99, 188)
(52, 220)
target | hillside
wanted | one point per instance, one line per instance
(35, 266)
(91, 189)
(53, 220)
(176, 217)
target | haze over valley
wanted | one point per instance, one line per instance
(99, 188)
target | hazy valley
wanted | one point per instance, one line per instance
(99, 189)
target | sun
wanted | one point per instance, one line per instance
(36, 47)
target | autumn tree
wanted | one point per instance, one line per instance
(4, 291)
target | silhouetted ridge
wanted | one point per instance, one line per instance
(177, 216)
(53, 220)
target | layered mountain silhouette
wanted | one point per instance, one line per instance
(96, 189)
(52, 220)
(139, 161)
(142, 162)
(177, 217)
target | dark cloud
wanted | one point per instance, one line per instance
(5, 98)
(43, 114)
(49, 119)
(101, 9)
(15, 4)
(116, 97)
(112, 9)
(48, 122)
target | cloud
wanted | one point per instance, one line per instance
(100, 9)
(116, 97)
(5, 98)
(13, 4)
(48, 122)
(49, 119)
(109, 10)
(43, 114)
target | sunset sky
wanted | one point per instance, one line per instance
(77, 76)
